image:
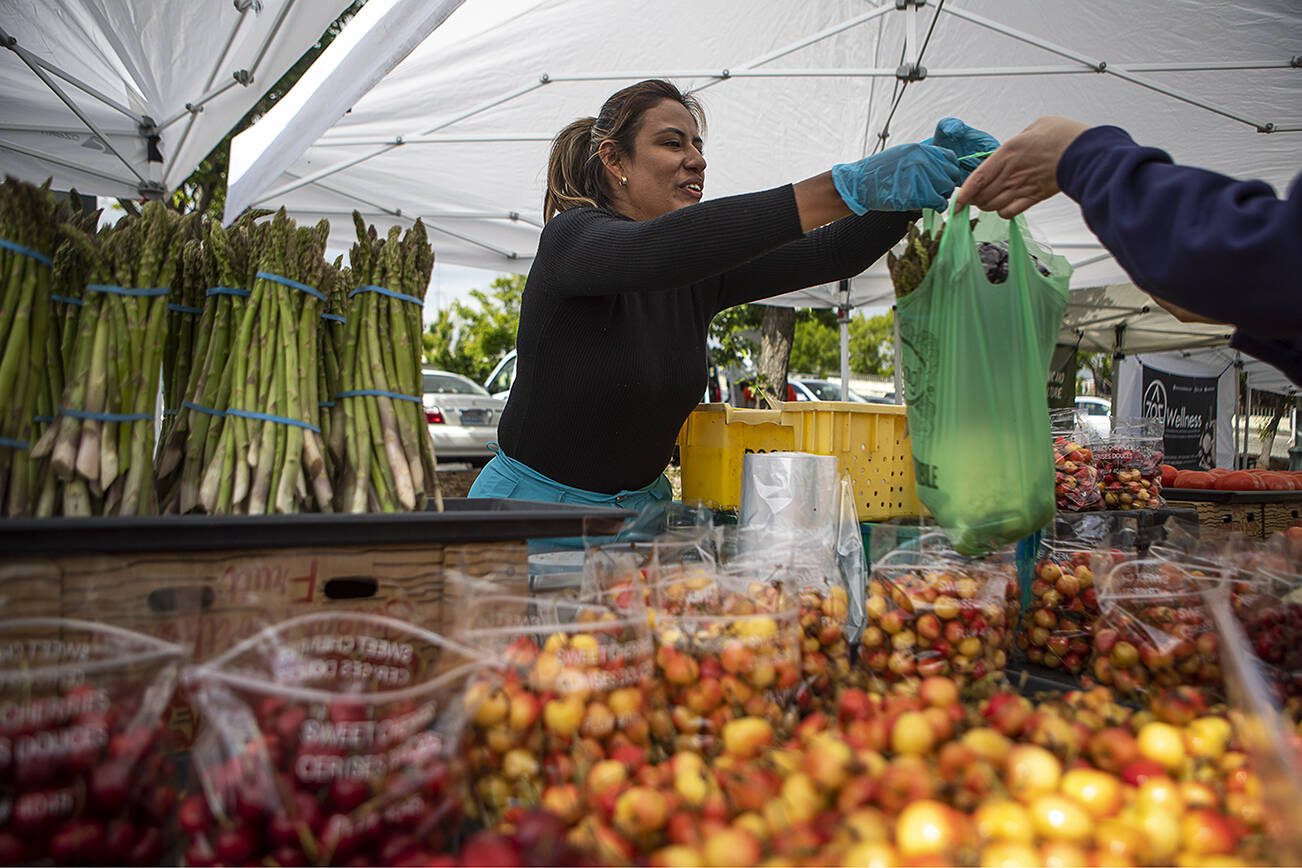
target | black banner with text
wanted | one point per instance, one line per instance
(1188, 407)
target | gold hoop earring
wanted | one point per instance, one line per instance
(623, 180)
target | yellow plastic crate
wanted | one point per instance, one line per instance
(869, 440)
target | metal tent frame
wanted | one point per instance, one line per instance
(161, 139)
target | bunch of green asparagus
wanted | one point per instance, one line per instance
(27, 241)
(388, 456)
(261, 450)
(100, 447)
(920, 248)
(183, 324)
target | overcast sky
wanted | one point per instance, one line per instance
(451, 283)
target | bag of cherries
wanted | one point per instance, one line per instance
(1130, 465)
(329, 739)
(1076, 478)
(85, 777)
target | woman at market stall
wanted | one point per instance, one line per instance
(632, 266)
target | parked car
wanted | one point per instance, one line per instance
(830, 390)
(1096, 414)
(500, 381)
(461, 415)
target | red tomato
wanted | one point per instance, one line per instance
(1239, 480)
(1193, 479)
(1168, 475)
(1218, 472)
(1277, 481)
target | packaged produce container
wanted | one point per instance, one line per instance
(208, 582)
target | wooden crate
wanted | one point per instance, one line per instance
(1280, 516)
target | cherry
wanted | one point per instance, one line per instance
(11, 848)
(149, 849)
(288, 856)
(78, 841)
(193, 815)
(346, 794)
(109, 786)
(233, 846)
(120, 840)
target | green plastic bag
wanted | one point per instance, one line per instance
(975, 364)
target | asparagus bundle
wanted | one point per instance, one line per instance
(231, 263)
(388, 459)
(27, 234)
(70, 275)
(101, 444)
(920, 248)
(334, 320)
(268, 456)
(183, 313)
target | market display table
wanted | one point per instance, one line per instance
(1257, 514)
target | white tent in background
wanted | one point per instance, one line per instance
(126, 97)
(458, 132)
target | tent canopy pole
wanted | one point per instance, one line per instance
(843, 320)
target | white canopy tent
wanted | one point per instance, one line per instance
(458, 132)
(126, 97)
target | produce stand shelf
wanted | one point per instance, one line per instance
(1258, 514)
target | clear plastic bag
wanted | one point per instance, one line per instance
(577, 687)
(1076, 478)
(84, 773)
(1155, 629)
(726, 649)
(1130, 465)
(1057, 630)
(329, 738)
(939, 616)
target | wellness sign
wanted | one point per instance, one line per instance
(1187, 406)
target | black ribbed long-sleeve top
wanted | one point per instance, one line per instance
(611, 349)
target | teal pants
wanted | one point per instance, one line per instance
(504, 477)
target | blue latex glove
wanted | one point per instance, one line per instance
(902, 178)
(958, 137)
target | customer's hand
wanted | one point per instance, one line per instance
(1022, 172)
(1184, 315)
(963, 140)
(902, 178)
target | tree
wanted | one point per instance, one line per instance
(735, 333)
(1100, 368)
(872, 345)
(776, 331)
(816, 347)
(470, 339)
(205, 190)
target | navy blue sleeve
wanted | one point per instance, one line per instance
(1227, 249)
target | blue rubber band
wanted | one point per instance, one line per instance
(200, 408)
(279, 420)
(292, 284)
(184, 308)
(105, 417)
(229, 290)
(42, 420)
(10, 443)
(378, 393)
(334, 317)
(326, 404)
(30, 253)
(136, 291)
(384, 291)
(66, 299)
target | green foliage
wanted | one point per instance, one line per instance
(205, 190)
(1100, 366)
(471, 338)
(736, 333)
(872, 345)
(816, 347)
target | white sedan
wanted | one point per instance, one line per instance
(461, 415)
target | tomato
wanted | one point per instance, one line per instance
(1276, 481)
(1218, 472)
(1193, 479)
(1168, 475)
(1239, 480)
